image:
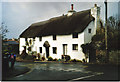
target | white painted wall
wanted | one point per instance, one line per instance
(62, 39)
(21, 44)
(87, 35)
(83, 37)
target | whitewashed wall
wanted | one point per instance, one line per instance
(21, 44)
(63, 39)
(83, 37)
(87, 35)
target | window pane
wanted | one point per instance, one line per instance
(40, 38)
(40, 49)
(75, 46)
(54, 37)
(89, 30)
(75, 35)
(54, 50)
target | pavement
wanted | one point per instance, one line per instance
(12, 72)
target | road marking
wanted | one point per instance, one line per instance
(19, 76)
(87, 76)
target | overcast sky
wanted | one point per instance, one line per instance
(18, 16)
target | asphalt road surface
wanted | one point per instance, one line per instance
(66, 72)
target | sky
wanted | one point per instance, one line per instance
(18, 16)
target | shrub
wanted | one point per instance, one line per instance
(55, 59)
(75, 60)
(50, 59)
(79, 61)
(67, 57)
(43, 58)
(114, 57)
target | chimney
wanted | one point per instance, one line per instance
(71, 6)
(95, 5)
(70, 12)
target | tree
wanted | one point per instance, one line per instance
(98, 40)
(3, 30)
(113, 22)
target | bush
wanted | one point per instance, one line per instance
(75, 60)
(55, 59)
(43, 58)
(50, 59)
(114, 57)
(67, 57)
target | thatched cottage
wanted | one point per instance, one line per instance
(61, 35)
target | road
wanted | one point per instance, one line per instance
(66, 72)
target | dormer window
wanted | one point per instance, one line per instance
(75, 35)
(89, 30)
(54, 37)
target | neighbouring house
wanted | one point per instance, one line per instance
(62, 35)
(11, 45)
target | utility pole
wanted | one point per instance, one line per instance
(106, 38)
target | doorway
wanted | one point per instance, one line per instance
(47, 52)
(46, 45)
(64, 49)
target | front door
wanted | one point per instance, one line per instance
(47, 52)
(64, 49)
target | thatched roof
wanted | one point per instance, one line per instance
(62, 25)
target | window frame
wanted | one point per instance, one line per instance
(75, 47)
(89, 30)
(75, 35)
(54, 50)
(40, 49)
(40, 38)
(54, 37)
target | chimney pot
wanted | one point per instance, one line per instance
(71, 6)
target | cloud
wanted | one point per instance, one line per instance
(59, 0)
(18, 16)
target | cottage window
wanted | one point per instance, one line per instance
(54, 37)
(40, 49)
(40, 38)
(54, 50)
(75, 46)
(89, 30)
(25, 39)
(75, 35)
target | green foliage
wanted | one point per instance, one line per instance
(50, 58)
(75, 60)
(55, 59)
(114, 57)
(98, 40)
(67, 57)
(3, 30)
